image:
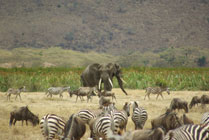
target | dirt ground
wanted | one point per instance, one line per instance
(39, 104)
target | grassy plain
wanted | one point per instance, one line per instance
(38, 103)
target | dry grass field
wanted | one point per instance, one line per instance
(39, 104)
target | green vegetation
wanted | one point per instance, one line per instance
(39, 79)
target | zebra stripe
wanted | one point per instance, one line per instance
(205, 118)
(52, 125)
(139, 116)
(86, 115)
(104, 124)
(189, 132)
(155, 90)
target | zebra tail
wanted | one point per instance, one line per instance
(45, 125)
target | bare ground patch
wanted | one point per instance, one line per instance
(39, 104)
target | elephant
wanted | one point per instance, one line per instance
(96, 74)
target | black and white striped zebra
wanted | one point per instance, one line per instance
(87, 115)
(15, 91)
(139, 116)
(100, 126)
(122, 116)
(156, 90)
(189, 132)
(52, 125)
(205, 118)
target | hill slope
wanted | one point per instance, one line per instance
(116, 27)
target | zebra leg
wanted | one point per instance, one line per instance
(16, 97)
(161, 95)
(145, 96)
(20, 97)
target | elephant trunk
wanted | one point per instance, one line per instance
(120, 82)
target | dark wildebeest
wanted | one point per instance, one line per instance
(177, 103)
(167, 121)
(204, 99)
(75, 128)
(186, 120)
(195, 100)
(156, 134)
(21, 114)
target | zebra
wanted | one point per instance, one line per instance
(87, 115)
(100, 126)
(156, 90)
(56, 91)
(52, 125)
(122, 116)
(205, 118)
(189, 132)
(139, 116)
(16, 92)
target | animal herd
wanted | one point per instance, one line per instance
(110, 123)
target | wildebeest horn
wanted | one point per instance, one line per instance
(110, 82)
(100, 81)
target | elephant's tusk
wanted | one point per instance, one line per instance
(100, 81)
(110, 82)
(123, 81)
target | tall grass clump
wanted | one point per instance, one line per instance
(40, 79)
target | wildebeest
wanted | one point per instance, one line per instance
(195, 100)
(204, 99)
(15, 91)
(107, 94)
(75, 128)
(156, 90)
(186, 120)
(56, 91)
(178, 103)
(155, 134)
(104, 101)
(167, 121)
(21, 114)
(84, 91)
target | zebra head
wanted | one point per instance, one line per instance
(135, 105)
(126, 108)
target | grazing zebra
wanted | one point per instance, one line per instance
(189, 132)
(205, 118)
(14, 91)
(139, 116)
(52, 125)
(56, 91)
(156, 90)
(101, 125)
(122, 116)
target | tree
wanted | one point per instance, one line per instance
(201, 61)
